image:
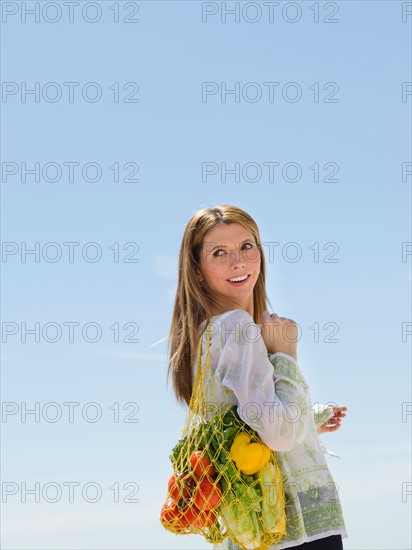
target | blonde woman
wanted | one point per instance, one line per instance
(222, 275)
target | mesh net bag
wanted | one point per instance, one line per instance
(225, 482)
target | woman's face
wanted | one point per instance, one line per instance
(229, 250)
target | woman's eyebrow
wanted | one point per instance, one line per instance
(224, 246)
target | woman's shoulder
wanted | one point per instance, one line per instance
(231, 317)
(233, 327)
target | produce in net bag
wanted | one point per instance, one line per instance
(226, 482)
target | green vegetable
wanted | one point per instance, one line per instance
(181, 446)
(254, 497)
(231, 418)
(239, 521)
(240, 508)
(250, 508)
(272, 513)
(228, 437)
(205, 432)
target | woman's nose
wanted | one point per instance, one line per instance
(237, 258)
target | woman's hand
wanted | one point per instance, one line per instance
(279, 334)
(333, 423)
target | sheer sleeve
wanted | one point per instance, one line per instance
(273, 397)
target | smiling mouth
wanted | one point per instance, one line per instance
(239, 283)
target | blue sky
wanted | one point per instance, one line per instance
(165, 140)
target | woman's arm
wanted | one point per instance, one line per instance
(273, 398)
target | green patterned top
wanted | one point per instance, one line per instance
(273, 397)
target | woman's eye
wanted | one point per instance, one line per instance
(250, 245)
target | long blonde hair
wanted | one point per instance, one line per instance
(193, 303)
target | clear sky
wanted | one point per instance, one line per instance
(130, 128)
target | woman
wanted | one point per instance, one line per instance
(222, 281)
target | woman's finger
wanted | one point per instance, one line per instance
(332, 428)
(332, 421)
